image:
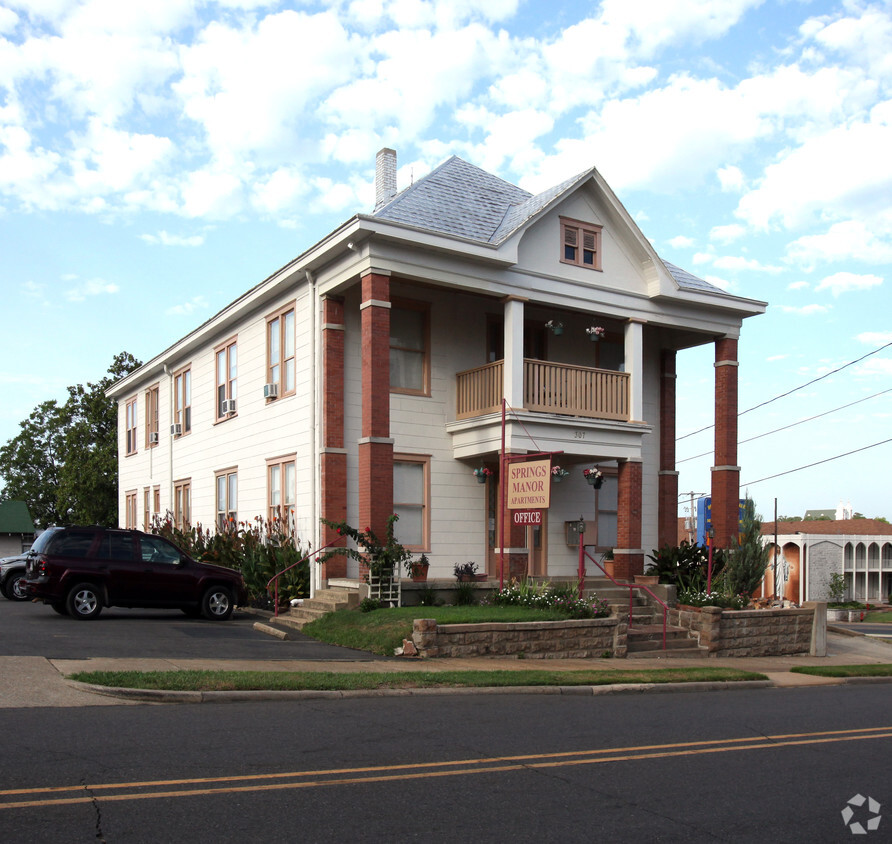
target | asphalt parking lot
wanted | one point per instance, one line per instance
(28, 629)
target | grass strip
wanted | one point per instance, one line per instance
(380, 631)
(881, 670)
(212, 681)
(882, 617)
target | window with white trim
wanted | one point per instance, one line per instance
(152, 416)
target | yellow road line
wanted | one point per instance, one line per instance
(390, 773)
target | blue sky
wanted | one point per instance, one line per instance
(157, 160)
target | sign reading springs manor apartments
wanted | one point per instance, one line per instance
(529, 485)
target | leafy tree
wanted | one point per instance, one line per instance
(63, 463)
(748, 557)
(30, 462)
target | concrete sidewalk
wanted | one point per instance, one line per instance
(34, 681)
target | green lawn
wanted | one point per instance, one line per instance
(879, 617)
(882, 670)
(381, 631)
(208, 681)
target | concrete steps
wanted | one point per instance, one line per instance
(341, 596)
(646, 642)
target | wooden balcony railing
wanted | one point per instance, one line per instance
(548, 388)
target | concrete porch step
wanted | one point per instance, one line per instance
(646, 641)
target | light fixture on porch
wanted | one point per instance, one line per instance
(556, 326)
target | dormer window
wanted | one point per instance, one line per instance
(580, 244)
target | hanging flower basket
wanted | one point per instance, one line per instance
(556, 326)
(594, 477)
(595, 332)
(482, 474)
(558, 474)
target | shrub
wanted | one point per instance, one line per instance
(369, 605)
(748, 557)
(686, 565)
(465, 593)
(528, 593)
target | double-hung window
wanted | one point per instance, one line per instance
(410, 348)
(410, 500)
(580, 243)
(182, 504)
(280, 359)
(282, 489)
(227, 499)
(131, 425)
(152, 416)
(227, 384)
(182, 415)
(130, 510)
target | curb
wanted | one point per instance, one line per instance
(161, 696)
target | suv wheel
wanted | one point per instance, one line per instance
(14, 588)
(84, 601)
(217, 603)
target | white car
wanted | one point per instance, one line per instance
(12, 575)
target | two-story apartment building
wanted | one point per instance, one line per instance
(369, 375)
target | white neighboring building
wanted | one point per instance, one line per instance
(367, 376)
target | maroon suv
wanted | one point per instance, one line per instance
(80, 570)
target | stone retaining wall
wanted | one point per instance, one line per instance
(770, 632)
(573, 638)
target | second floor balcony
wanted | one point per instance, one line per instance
(551, 388)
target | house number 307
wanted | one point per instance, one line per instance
(579, 435)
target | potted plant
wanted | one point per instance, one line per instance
(467, 572)
(558, 474)
(482, 474)
(418, 568)
(595, 332)
(556, 326)
(594, 477)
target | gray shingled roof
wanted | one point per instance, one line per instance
(462, 200)
(689, 281)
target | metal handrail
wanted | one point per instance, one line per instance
(632, 586)
(276, 576)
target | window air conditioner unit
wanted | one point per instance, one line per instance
(153, 438)
(176, 429)
(270, 391)
(228, 406)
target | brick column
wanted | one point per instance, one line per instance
(667, 520)
(628, 555)
(375, 444)
(725, 472)
(334, 455)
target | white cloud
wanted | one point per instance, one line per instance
(681, 242)
(8, 20)
(736, 263)
(213, 194)
(93, 287)
(727, 234)
(875, 366)
(722, 283)
(845, 282)
(731, 179)
(798, 285)
(163, 238)
(196, 303)
(875, 338)
(806, 310)
(845, 241)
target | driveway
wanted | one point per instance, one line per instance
(28, 629)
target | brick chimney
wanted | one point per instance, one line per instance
(385, 176)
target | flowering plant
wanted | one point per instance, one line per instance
(558, 474)
(554, 323)
(596, 473)
(596, 332)
(483, 472)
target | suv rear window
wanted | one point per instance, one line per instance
(71, 544)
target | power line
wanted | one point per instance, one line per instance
(818, 463)
(795, 389)
(793, 424)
